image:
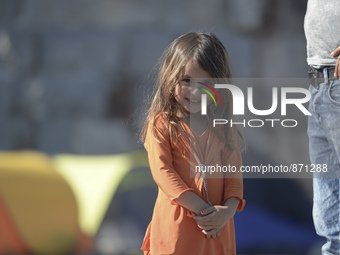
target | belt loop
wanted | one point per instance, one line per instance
(325, 74)
(316, 83)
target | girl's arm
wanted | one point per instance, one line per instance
(163, 172)
(193, 202)
(213, 219)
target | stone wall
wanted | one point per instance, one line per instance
(73, 71)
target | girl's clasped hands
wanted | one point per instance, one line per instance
(213, 219)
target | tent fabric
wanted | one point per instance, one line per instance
(10, 241)
(94, 180)
(42, 208)
(56, 204)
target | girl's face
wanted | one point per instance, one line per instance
(187, 94)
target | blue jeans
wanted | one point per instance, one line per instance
(324, 148)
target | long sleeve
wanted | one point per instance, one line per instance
(158, 146)
(233, 182)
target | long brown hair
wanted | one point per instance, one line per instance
(208, 51)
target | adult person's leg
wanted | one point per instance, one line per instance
(324, 148)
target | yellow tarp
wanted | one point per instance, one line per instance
(94, 180)
(39, 201)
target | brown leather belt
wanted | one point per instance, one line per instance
(317, 76)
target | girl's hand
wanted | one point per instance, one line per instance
(213, 219)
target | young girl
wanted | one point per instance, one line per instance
(194, 210)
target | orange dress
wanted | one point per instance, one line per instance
(172, 229)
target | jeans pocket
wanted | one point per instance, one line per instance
(334, 93)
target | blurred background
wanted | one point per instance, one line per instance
(73, 78)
